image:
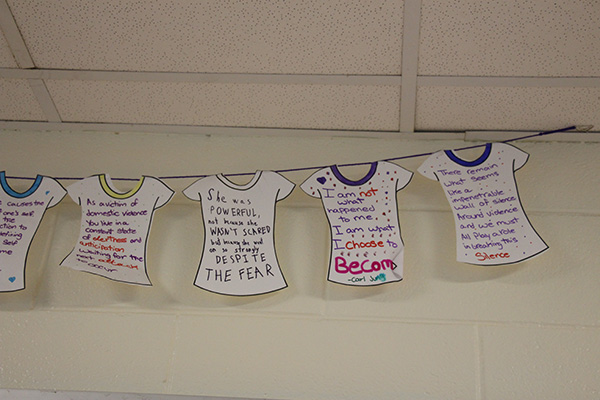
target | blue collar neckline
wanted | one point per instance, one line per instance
(365, 179)
(18, 195)
(478, 161)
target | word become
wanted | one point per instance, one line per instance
(366, 266)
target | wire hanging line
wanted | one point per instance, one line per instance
(387, 159)
(569, 128)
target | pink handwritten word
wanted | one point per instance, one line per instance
(366, 266)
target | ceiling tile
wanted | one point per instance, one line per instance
(17, 101)
(254, 36)
(510, 38)
(249, 105)
(6, 58)
(505, 108)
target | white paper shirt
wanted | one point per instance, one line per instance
(115, 227)
(238, 257)
(491, 226)
(366, 245)
(20, 216)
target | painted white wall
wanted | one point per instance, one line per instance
(449, 330)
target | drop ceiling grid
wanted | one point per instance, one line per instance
(255, 36)
(325, 41)
(251, 105)
(510, 38)
(6, 58)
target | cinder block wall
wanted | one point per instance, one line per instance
(449, 330)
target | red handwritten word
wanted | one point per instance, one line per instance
(118, 264)
(366, 266)
(369, 193)
(101, 246)
(109, 239)
(351, 245)
(482, 256)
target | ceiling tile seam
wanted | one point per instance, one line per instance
(351, 80)
(466, 136)
(14, 38)
(571, 136)
(410, 62)
(216, 130)
(507, 81)
(43, 97)
(201, 77)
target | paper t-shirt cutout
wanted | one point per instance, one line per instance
(115, 227)
(491, 225)
(366, 245)
(238, 257)
(21, 214)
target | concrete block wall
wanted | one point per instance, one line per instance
(448, 331)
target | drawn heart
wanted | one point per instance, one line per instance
(321, 180)
(12, 279)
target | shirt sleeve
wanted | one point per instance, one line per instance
(402, 175)
(518, 155)
(163, 191)
(56, 191)
(311, 186)
(192, 192)
(284, 186)
(76, 189)
(427, 169)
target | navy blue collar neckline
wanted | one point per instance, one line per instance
(478, 161)
(362, 181)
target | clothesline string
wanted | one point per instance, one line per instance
(390, 159)
(323, 166)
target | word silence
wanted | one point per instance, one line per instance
(366, 245)
(491, 225)
(238, 257)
